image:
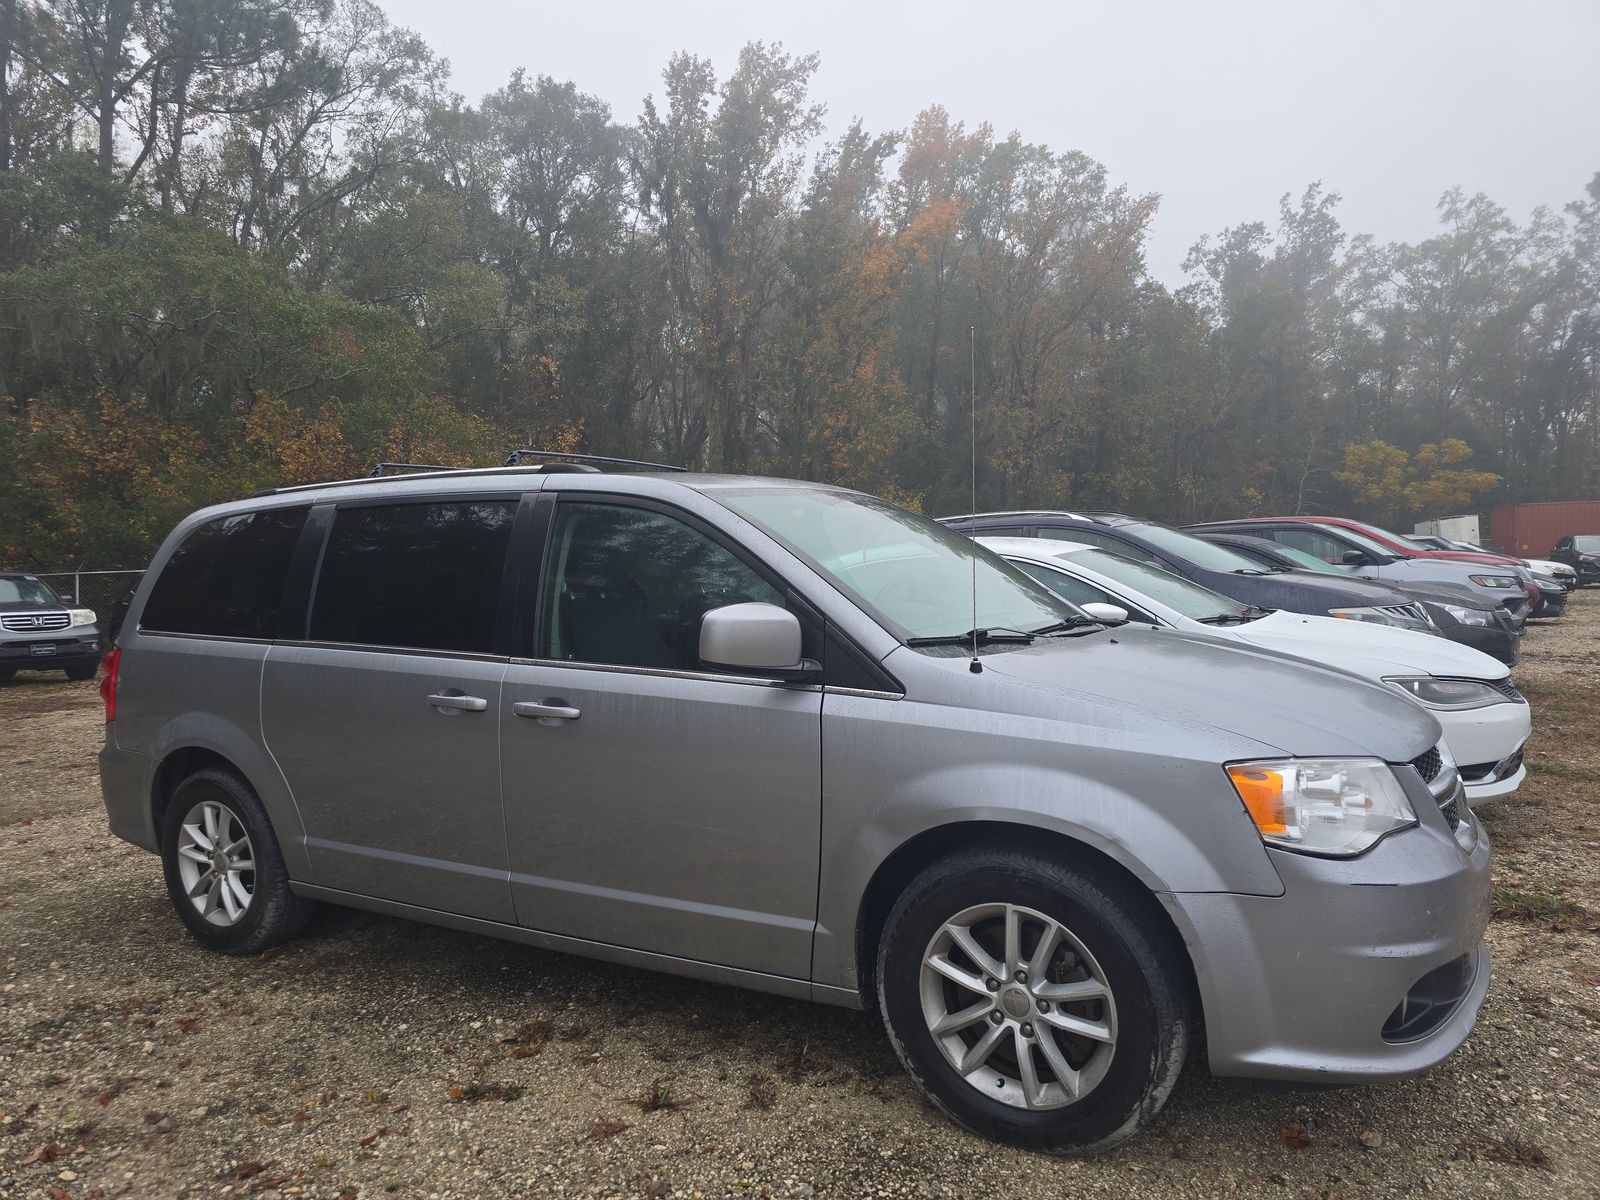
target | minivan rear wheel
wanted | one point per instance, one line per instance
(1029, 1000)
(224, 869)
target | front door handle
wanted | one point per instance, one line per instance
(545, 712)
(457, 702)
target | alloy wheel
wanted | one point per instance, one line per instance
(216, 863)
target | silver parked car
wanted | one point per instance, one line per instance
(798, 739)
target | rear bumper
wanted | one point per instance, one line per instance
(1302, 987)
(125, 788)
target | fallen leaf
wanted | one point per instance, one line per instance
(1293, 1137)
(48, 1152)
(606, 1129)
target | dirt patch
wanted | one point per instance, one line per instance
(374, 1057)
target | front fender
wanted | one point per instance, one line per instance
(1149, 798)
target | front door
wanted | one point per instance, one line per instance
(652, 803)
(384, 722)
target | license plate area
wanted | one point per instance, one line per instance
(42, 649)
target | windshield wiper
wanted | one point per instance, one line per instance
(1250, 571)
(981, 637)
(1068, 623)
(1238, 618)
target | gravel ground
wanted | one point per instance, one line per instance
(375, 1057)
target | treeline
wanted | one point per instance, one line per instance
(246, 242)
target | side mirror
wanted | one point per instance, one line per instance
(1357, 558)
(757, 638)
(1107, 614)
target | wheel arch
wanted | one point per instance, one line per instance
(917, 853)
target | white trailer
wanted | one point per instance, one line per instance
(1455, 529)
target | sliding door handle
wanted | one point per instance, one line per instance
(457, 702)
(545, 712)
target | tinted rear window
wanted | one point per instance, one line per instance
(420, 576)
(227, 578)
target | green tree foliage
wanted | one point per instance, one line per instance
(247, 242)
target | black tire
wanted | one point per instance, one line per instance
(274, 913)
(78, 673)
(1119, 931)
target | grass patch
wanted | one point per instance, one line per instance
(1545, 769)
(658, 1097)
(1534, 907)
(1517, 1153)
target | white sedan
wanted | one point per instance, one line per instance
(1485, 719)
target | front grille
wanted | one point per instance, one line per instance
(1428, 765)
(1507, 689)
(34, 622)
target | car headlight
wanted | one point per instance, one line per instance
(83, 616)
(1330, 806)
(1449, 693)
(1470, 616)
(1376, 616)
(1502, 582)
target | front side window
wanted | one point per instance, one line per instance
(913, 575)
(628, 587)
(1311, 541)
(226, 579)
(415, 576)
(1586, 543)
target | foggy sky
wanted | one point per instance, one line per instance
(1221, 108)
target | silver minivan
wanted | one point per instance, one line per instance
(795, 738)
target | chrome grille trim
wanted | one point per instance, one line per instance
(18, 622)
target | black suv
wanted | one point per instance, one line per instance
(39, 631)
(1216, 567)
(1457, 612)
(1581, 552)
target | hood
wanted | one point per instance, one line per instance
(1440, 592)
(26, 606)
(1285, 704)
(1372, 651)
(1497, 560)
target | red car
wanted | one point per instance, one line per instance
(1406, 548)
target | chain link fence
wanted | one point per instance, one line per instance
(98, 590)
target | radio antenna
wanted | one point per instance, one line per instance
(975, 666)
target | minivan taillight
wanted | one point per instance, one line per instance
(108, 683)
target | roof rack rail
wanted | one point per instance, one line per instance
(516, 457)
(383, 468)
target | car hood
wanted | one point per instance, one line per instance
(12, 606)
(1439, 592)
(1283, 703)
(1366, 649)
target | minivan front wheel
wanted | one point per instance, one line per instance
(1029, 1000)
(224, 869)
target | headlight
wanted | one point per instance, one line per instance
(83, 616)
(1333, 806)
(1502, 582)
(1449, 693)
(1470, 616)
(1376, 616)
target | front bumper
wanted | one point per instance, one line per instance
(1487, 746)
(51, 651)
(1498, 641)
(1301, 987)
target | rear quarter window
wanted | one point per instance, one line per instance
(227, 578)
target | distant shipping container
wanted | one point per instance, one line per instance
(1454, 529)
(1530, 530)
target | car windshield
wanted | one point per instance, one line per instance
(25, 591)
(1399, 539)
(1588, 543)
(1177, 593)
(1207, 555)
(1304, 560)
(911, 573)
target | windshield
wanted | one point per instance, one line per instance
(1383, 535)
(1588, 543)
(1206, 555)
(1177, 593)
(911, 573)
(1306, 561)
(1360, 539)
(25, 591)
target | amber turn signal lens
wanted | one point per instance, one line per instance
(1262, 793)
